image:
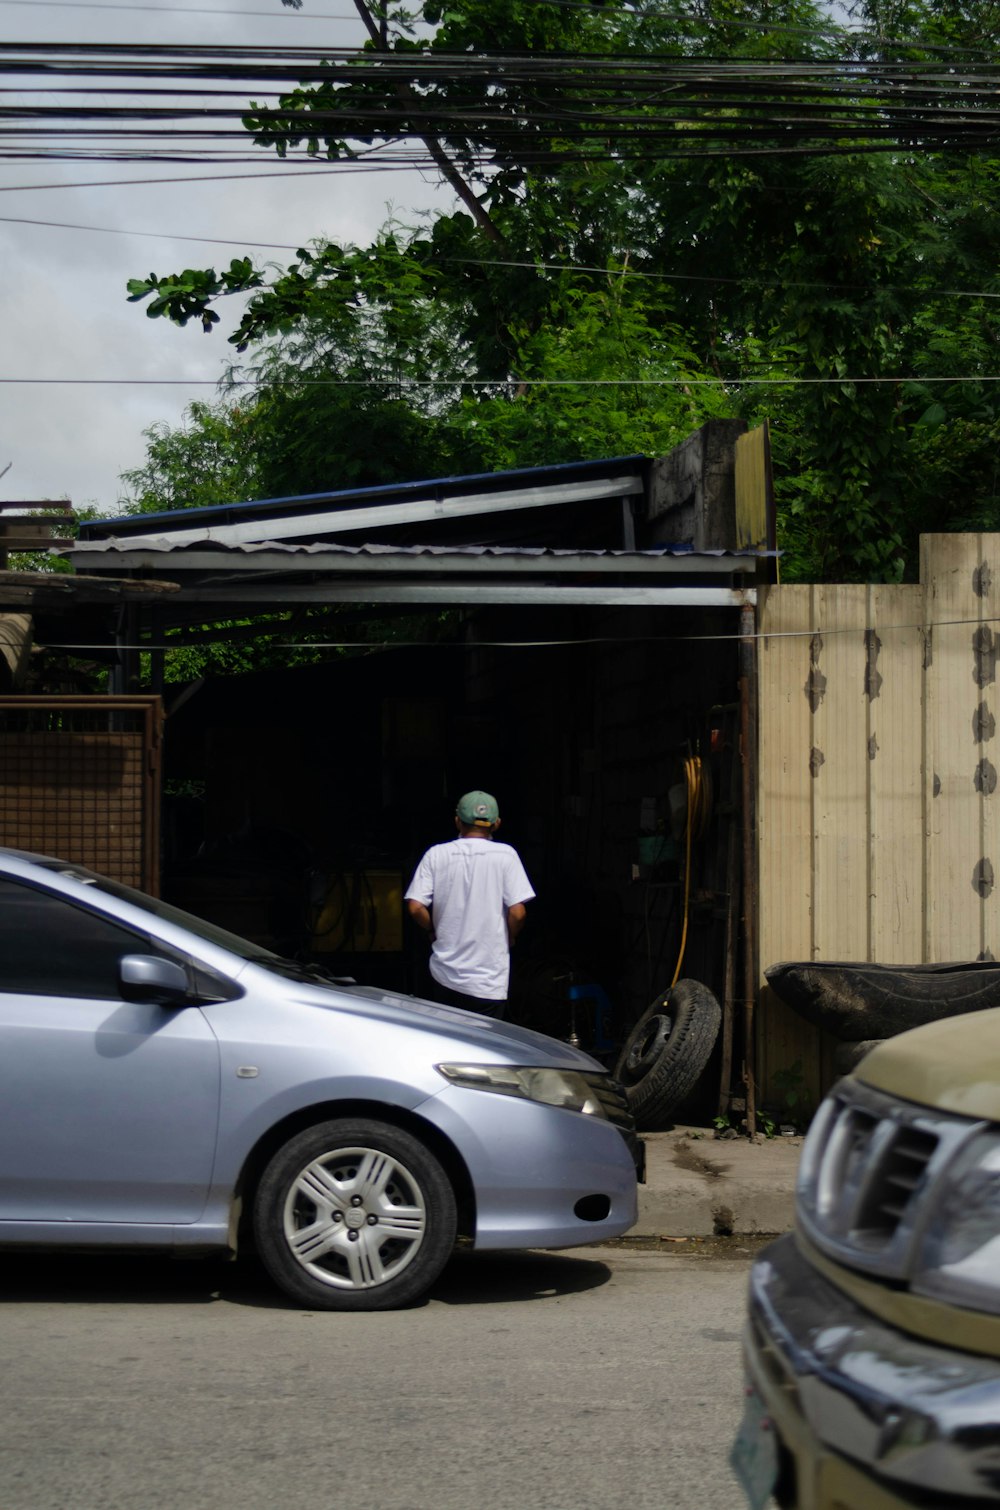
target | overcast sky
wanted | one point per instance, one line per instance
(65, 310)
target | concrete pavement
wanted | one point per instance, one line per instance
(698, 1185)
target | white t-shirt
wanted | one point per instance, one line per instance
(469, 884)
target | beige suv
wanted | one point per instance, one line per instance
(873, 1339)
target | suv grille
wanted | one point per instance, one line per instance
(868, 1165)
(900, 1172)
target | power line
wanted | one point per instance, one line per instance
(732, 383)
(635, 18)
(712, 278)
(502, 68)
(204, 178)
(185, 10)
(491, 262)
(395, 159)
(538, 111)
(278, 638)
(107, 230)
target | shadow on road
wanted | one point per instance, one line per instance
(491, 1278)
(135, 1279)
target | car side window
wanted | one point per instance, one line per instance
(49, 947)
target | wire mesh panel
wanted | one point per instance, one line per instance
(80, 779)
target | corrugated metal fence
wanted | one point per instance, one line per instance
(877, 811)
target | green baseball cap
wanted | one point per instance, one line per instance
(479, 808)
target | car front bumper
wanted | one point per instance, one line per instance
(543, 1176)
(844, 1411)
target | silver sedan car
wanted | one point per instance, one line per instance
(164, 1084)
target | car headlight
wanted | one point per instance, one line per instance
(553, 1087)
(958, 1260)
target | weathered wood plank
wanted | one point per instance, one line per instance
(784, 821)
(894, 694)
(840, 764)
(751, 473)
(25, 589)
(986, 590)
(957, 727)
(15, 521)
(61, 504)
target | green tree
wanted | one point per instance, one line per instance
(211, 458)
(622, 267)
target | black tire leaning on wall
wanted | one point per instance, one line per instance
(667, 1051)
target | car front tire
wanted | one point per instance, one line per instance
(354, 1215)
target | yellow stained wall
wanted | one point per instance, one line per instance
(876, 804)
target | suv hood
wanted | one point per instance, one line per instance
(953, 1065)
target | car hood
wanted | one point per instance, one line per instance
(468, 1032)
(953, 1065)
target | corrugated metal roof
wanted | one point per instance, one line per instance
(324, 572)
(586, 509)
(558, 478)
(564, 534)
(190, 561)
(181, 548)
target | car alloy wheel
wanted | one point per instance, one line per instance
(355, 1215)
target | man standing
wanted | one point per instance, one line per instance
(469, 896)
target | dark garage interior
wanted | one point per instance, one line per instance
(298, 802)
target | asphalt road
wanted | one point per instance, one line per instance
(597, 1380)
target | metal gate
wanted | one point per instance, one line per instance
(80, 779)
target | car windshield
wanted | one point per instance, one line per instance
(210, 932)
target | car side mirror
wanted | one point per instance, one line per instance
(148, 978)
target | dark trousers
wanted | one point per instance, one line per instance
(437, 992)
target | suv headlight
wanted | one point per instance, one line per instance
(553, 1087)
(958, 1259)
